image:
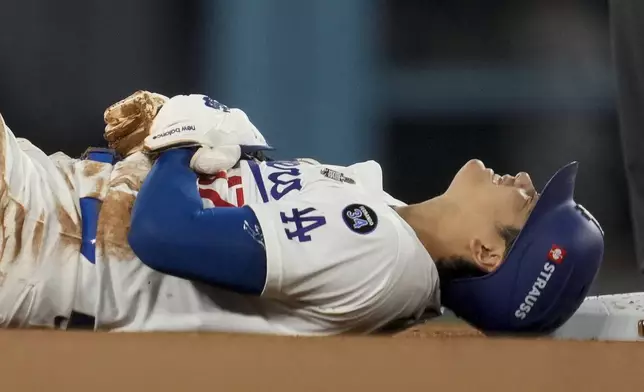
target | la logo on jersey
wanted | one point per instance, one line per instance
(359, 218)
(556, 254)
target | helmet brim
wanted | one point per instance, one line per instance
(560, 189)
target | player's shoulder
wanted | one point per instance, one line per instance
(371, 221)
(411, 266)
(399, 265)
(359, 178)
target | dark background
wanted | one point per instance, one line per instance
(419, 85)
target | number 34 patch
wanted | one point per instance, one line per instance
(360, 218)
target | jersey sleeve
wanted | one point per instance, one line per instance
(217, 246)
(28, 173)
(19, 171)
(342, 260)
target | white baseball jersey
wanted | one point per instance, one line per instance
(339, 257)
(335, 244)
(41, 230)
(328, 272)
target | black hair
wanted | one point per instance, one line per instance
(452, 268)
(259, 155)
(509, 235)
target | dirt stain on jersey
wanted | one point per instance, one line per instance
(97, 193)
(114, 217)
(67, 173)
(13, 221)
(8, 232)
(19, 223)
(5, 238)
(39, 231)
(132, 173)
(68, 181)
(3, 209)
(92, 168)
(129, 182)
(70, 231)
(114, 225)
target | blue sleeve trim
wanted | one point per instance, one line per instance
(171, 231)
(254, 169)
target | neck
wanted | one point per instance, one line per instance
(433, 223)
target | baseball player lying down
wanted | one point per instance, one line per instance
(301, 248)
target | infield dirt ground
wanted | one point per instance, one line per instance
(435, 357)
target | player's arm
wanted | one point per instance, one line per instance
(171, 231)
(28, 174)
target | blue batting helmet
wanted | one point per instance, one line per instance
(546, 274)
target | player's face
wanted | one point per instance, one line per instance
(487, 202)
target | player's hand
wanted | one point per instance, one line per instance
(209, 160)
(127, 122)
(198, 120)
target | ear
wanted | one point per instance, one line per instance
(486, 256)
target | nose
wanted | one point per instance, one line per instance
(476, 163)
